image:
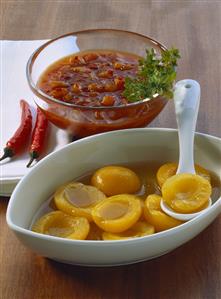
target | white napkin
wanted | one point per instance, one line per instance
(14, 56)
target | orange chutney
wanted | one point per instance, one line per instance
(95, 79)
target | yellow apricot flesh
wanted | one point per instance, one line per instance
(169, 169)
(155, 215)
(139, 229)
(117, 213)
(186, 193)
(61, 225)
(77, 199)
(113, 180)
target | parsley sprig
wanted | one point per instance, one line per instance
(155, 75)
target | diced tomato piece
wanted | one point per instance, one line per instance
(55, 84)
(108, 101)
(93, 66)
(76, 60)
(93, 94)
(68, 97)
(95, 87)
(58, 93)
(89, 57)
(119, 82)
(76, 88)
(80, 69)
(121, 66)
(105, 74)
(110, 87)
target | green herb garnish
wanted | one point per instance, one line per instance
(155, 76)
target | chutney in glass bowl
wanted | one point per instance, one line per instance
(78, 80)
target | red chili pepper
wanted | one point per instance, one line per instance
(20, 138)
(38, 136)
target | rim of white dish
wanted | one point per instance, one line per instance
(16, 179)
(106, 242)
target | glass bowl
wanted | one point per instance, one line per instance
(83, 121)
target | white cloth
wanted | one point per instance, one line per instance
(13, 87)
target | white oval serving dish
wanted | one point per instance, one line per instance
(80, 157)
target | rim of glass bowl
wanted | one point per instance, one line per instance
(38, 92)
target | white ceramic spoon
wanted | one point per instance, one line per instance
(186, 101)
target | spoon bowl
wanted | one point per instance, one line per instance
(186, 102)
(179, 216)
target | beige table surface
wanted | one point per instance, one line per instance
(192, 271)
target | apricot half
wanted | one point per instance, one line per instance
(59, 224)
(113, 180)
(77, 199)
(117, 213)
(155, 216)
(139, 229)
(186, 193)
(169, 169)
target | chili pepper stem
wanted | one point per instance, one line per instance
(30, 162)
(8, 153)
(34, 155)
(4, 157)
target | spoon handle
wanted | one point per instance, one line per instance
(186, 101)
